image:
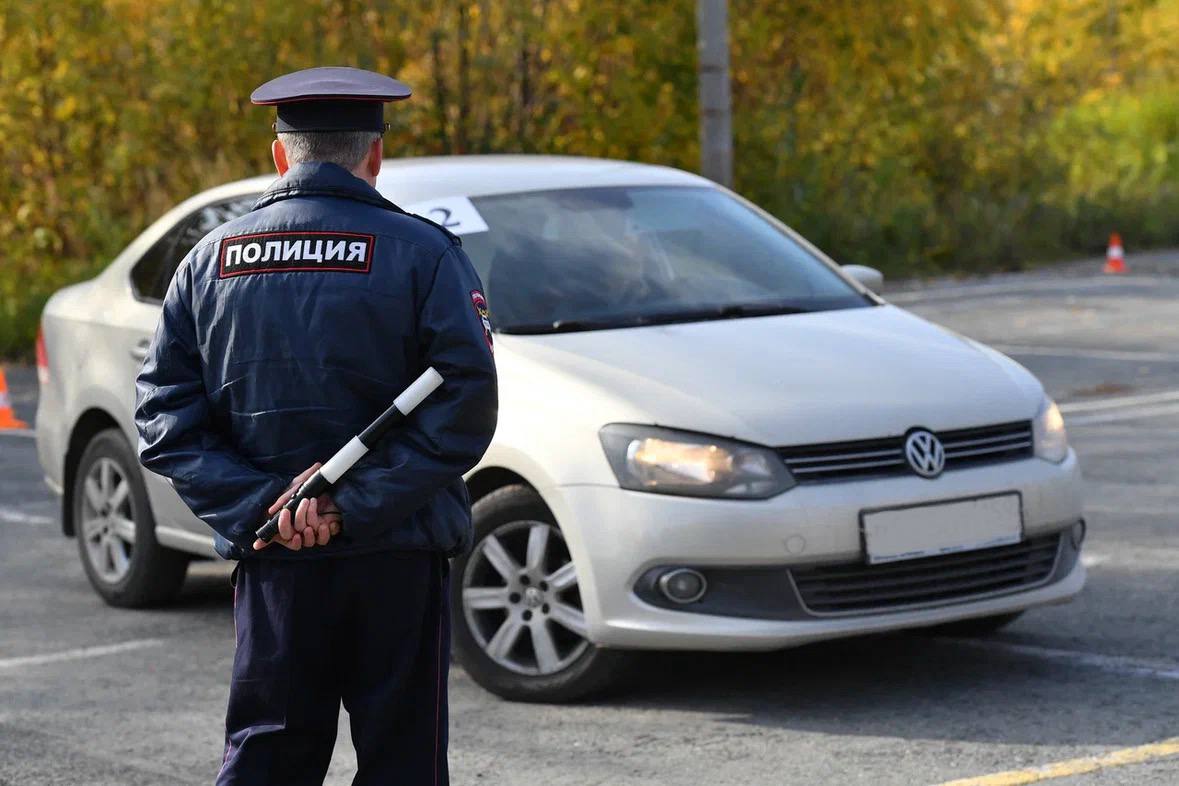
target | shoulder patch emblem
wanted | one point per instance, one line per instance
(480, 304)
(280, 252)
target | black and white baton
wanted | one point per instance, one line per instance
(362, 443)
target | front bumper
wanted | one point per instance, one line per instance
(615, 536)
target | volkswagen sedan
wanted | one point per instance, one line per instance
(712, 437)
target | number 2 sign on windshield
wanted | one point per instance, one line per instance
(457, 214)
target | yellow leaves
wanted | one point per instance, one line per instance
(65, 108)
(44, 239)
(1091, 96)
(37, 159)
(885, 129)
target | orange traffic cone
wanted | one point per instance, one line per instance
(1115, 258)
(7, 417)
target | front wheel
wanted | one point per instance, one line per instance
(116, 531)
(519, 627)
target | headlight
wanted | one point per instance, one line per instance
(1049, 435)
(647, 458)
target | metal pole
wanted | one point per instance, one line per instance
(716, 126)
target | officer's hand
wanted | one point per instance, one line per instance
(287, 536)
(318, 520)
(291, 489)
(330, 519)
(290, 534)
(309, 528)
(300, 518)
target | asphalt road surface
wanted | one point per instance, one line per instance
(94, 695)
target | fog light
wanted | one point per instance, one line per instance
(1077, 534)
(683, 585)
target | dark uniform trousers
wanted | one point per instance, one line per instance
(370, 630)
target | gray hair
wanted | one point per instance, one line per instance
(345, 148)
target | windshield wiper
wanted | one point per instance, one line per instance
(729, 311)
(571, 325)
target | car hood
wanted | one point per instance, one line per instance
(777, 380)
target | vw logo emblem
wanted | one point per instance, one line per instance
(925, 453)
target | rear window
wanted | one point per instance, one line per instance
(153, 272)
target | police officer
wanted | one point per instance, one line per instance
(283, 333)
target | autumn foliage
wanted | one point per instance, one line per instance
(916, 136)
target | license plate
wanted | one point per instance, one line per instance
(942, 528)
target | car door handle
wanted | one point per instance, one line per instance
(139, 351)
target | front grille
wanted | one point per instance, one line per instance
(886, 456)
(858, 588)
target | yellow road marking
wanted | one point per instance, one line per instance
(1063, 769)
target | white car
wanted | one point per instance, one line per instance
(711, 436)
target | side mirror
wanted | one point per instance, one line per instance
(870, 277)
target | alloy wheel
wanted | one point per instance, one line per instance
(108, 520)
(521, 600)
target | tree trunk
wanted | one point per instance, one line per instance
(716, 128)
(439, 89)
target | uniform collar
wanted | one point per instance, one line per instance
(317, 178)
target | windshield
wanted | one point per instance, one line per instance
(593, 258)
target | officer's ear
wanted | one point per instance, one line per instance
(280, 157)
(376, 151)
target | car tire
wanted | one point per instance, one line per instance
(508, 516)
(115, 528)
(978, 626)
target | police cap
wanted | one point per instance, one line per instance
(332, 98)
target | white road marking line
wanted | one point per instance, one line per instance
(23, 433)
(1017, 288)
(1110, 410)
(1113, 664)
(1127, 414)
(1120, 401)
(1086, 764)
(16, 517)
(78, 654)
(1139, 560)
(1141, 356)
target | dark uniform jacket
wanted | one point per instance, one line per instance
(285, 332)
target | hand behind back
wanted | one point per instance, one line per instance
(316, 521)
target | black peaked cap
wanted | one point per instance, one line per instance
(332, 98)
